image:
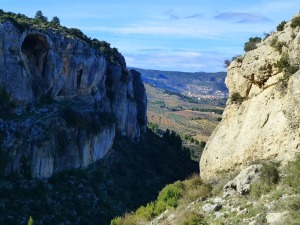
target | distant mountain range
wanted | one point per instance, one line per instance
(199, 84)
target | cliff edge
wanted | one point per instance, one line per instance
(63, 97)
(261, 119)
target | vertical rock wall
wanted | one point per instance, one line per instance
(65, 94)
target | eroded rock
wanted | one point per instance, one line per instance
(264, 122)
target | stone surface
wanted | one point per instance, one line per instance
(265, 125)
(276, 218)
(211, 207)
(37, 138)
(242, 182)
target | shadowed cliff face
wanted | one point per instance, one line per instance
(66, 102)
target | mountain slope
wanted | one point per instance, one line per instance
(199, 84)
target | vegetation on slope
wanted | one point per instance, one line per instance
(130, 176)
(277, 191)
(169, 197)
(41, 23)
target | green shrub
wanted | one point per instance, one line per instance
(30, 221)
(128, 219)
(238, 58)
(260, 188)
(293, 206)
(170, 195)
(236, 97)
(292, 178)
(204, 190)
(270, 173)
(280, 27)
(147, 212)
(269, 177)
(283, 64)
(295, 22)
(251, 44)
(277, 45)
(194, 181)
(194, 219)
(226, 63)
(40, 17)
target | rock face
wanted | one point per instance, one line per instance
(261, 119)
(68, 101)
(242, 182)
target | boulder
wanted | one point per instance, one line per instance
(242, 182)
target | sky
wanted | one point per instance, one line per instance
(172, 35)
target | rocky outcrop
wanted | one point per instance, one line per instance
(241, 184)
(66, 101)
(261, 119)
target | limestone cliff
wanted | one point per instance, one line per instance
(261, 119)
(65, 100)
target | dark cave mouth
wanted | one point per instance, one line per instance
(35, 49)
(34, 43)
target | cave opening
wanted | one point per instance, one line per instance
(35, 48)
(35, 51)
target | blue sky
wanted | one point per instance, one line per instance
(182, 35)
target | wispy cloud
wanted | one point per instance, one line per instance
(241, 17)
(172, 15)
(164, 29)
(197, 15)
(178, 60)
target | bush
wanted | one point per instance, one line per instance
(194, 219)
(40, 17)
(251, 44)
(283, 64)
(147, 212)
(295, 22)
(128, 219)
(277, 45)
(280, 27)
(236, 97)
(270, 173)
(238, 58)
(30, 221)
(226, 63)
(170, 195)
(292, 177)
(201, 191)
(269, 177)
